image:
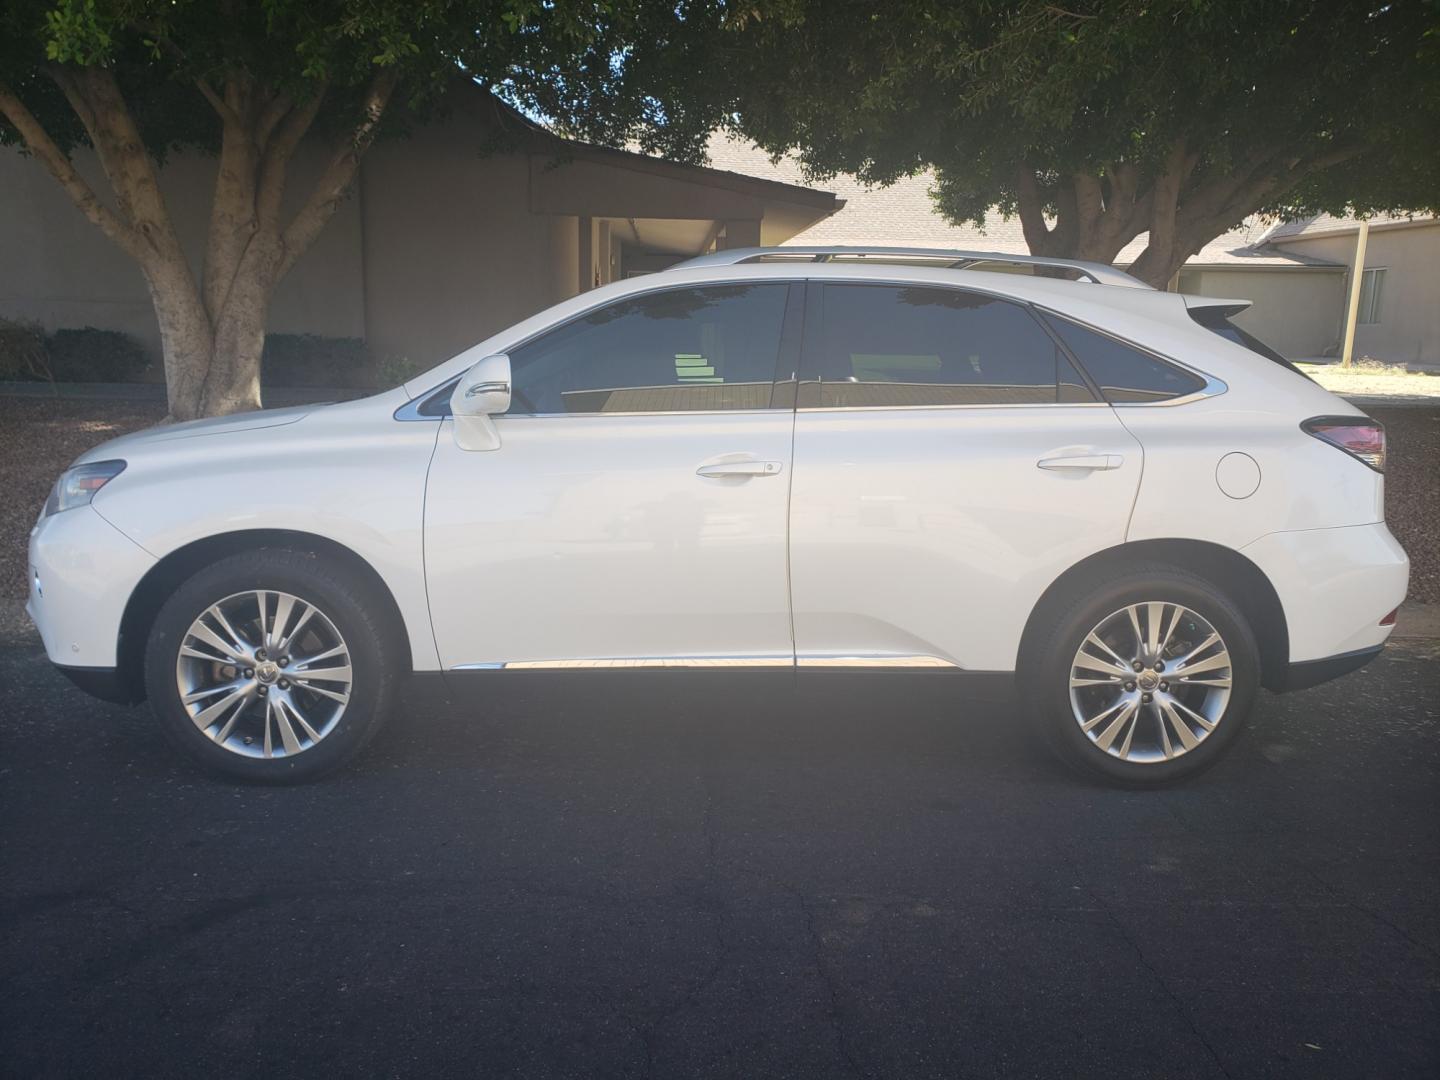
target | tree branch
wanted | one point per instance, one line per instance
(292, 128)
(330, 189)
(39, 143)
(228, 116)
(1031, 206)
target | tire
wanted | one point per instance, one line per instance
(295, 722)
(1075, 679)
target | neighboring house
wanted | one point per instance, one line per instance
(1296, 274)
(1399, 315)
(450, 235)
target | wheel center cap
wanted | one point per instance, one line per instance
(1149, 680)
(267, 671)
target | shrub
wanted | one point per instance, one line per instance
(22, 352)
(391, 371)
(91, 355)
(313, 360)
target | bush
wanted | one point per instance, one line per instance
(312, 360)
(22, 352)
(91, 355)
(391, 371)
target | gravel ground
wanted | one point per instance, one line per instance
(1371, 379)
(39, 437)
(1412, 492)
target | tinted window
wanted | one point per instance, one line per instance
(1123, 372)
(910, 345)
(682, 349)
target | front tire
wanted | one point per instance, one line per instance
(271, 666)
(1146, 679)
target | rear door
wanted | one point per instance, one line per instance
(949, 464)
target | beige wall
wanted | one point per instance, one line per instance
(447, 238)
(1295, 312)
(451, 253)
(1409, 326)
(59, 270)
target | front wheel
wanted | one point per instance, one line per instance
(271, 666)
(1146, 680)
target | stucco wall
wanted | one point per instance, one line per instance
(452, 253)
(1296, 312)
(59, 270)
(1409, 326)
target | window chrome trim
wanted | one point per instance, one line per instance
(939, 408)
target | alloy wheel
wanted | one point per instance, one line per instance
(264, 674)
(1150, 682)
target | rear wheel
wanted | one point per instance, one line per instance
(1146, 680)
(271, 666)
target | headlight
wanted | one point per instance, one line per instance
(77, 486)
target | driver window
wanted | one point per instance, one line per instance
(699, 349)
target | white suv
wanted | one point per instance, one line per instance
(803, 459)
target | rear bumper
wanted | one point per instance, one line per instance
(1310, 673)
(1335, 586)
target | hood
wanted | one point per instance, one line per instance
(219, 425)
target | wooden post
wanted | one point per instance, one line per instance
(1357, 278)
(586, 279)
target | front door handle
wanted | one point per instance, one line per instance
(722, 469)
(1092, 462)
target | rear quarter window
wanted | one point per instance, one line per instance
(1126, 375)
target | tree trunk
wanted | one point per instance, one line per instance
(212, 333)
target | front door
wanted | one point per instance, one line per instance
(634, 514)
(950, 463)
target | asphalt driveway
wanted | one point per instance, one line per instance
(597, 878)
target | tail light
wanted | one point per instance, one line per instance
(1358, 436)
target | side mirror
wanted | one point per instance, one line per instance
(482, 392)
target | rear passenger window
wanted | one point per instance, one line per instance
(1124, 373)
(883, 345)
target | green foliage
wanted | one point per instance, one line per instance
(393, 370)
(314, 360)
(985, 89)
(28, 354)
(22, 352)
(92, 355)
(571, 59)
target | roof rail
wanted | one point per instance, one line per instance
(1099, 273)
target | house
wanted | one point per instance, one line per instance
(1296, 274)
(451, 234)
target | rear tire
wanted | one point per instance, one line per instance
(278, 694)
(1110, 703)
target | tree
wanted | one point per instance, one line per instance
(1097, 121)
(250, 80)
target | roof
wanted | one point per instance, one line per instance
(903, 214)
(540, 139)
(1329, 224)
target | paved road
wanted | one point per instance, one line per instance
(589, 879)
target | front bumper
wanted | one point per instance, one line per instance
(104, 683)
(83, 571)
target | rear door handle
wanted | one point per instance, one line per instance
(722, 469)
(1092, 462)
